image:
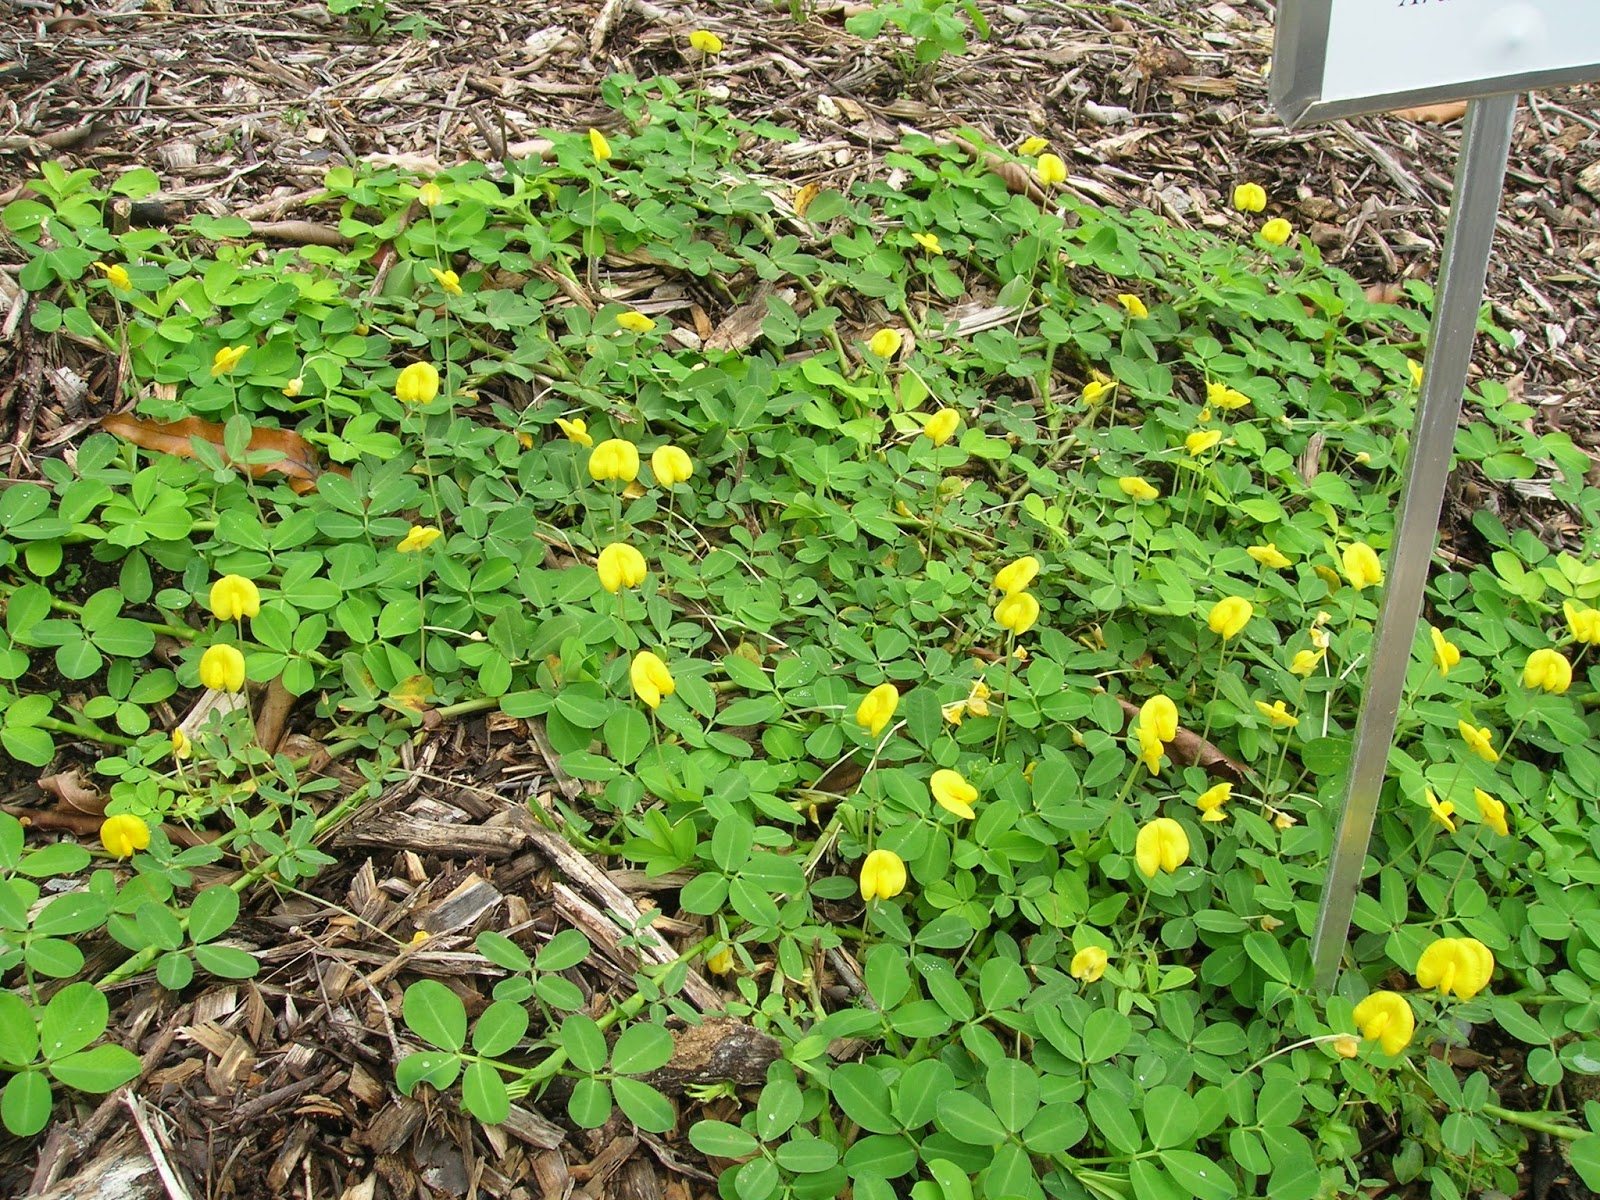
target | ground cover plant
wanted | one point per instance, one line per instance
(957, 581)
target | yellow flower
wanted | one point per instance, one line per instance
(181, 746)
(1229, 616)
(1210, 802)
(1386, 1017)
(123, 834)
(721, 962)
(1416, 372)
(1282, 820)
(116, 275)
(1361, 566)
(634, 322)
(1162, 845)
(955, 711)
(417, 384)
(671, 465)
(929, 242)
(419, 539)
(1250, 197)
(1089, 964)
(1491, 812)
(1548, 670)
(1347, 1046)
(1032, 145)
(1017, 612)
(1446, 654)
(1479, 741)
(1277, 714)
(222, 669)
(650, 678)
(883, 875)
(598, 146)
(1229, 399)
(1277, 231)
(294, 386)
(225, 360)
(1462, 966)
(1441, 812)
(953, 793)
(1268, 556)
(614, 458)
(978, 698)
(877, 709)
(886, 343)
(1050, 170)
(1136, 487)
(1305, 662)
(1094, 389)
(1201, 440)
(234, 597)
(620, 566)
(1134, 306)
(430, 195)
(941, 426)
(1583, 623)
(705, 41)
(1150, 747)
(448, 280)
(577, 430)
(1017, 574)
(1160, 715)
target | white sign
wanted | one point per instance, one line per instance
(1335, 58)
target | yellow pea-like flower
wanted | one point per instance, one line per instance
(417, 383)
(1361, 566)
(1582, 623)
(419, 539)
(1250, 197)
(1230, 399)
(941, 426)
(706, 42)
(1162, 845)
(1017, 574)
(877, 709)
(1446, 653)
(1089, 964)
(721, 962)
(883, 875)
(116, 275)
(1277, 713)
(121, 835)
(1151, 747)
(635, 322)
(1017, 612)
(1305, 662)
(1133, 305)
(222, 669)
(1094, 389)
(1479, 741)
(620, 565)
(448, 280)
(1050, 170)
(1277, 231)
(1547, 670)
(929, 242)
(598, 146)
(430, 195)
(1229, 616)
(886, 343)
(234, 597)
(1441, 811)
(1491, 812)
(182, 747)
(1201, 440)
(1032, 145)
(614, 458)
(1160, 715)
(953, 793)
(576, 430)
(1268, 556)
(1210, 802)
(225, 360)
(1386, 1018)
(650, 678)
(1456, 966)
(671, 465)
(1137, 487)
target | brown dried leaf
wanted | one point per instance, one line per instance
(1433, 114)
(299, 461)
(74, 793)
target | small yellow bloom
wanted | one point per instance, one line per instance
(1017, 574)
(721, 962)
(123, 834)
(1361, 566)
(1462, 966)
(953, 793)
(614, 458)
(233, 597)
(222, 669)
(1017, 612)
(634, 322)
(1277, 231)
(1347, 1046)
(1160, 715)
(1446, 654)
(978, 698)
(417, 384)
(1386, 1017)
(116, 275)
(1162, 845)
(1440, 812)
(705, 41)
(1479, 741)
(1229, 616)
(1250, 197)
(182, 747)
(1547, 670)
(1582, 623)
(419, 539)
(620, 565)
(877, 709)
(1230, 400)
(1416, 373)
(1133, 305)
(1201, 440)
(929, 242)
(577, 430)
(294, 387)
(1491, 812)
(1282, 820)
(1305, 662)
(1151, 747)
(1089, 964)
(1094, 389)
(448, 280)
(225, 360)
(883, 875)
(1137, 487)
(650, 678)
(1277, 713)
(1268, 556)
(1210, 802)
(1032, 145)
(1050, 170)
(671, 465)
(954, 712)
(941, 426)
(430, 195)
(886, 343)
(598, 146)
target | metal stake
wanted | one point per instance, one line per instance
(1474, 209)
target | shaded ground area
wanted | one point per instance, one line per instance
(284, 1086)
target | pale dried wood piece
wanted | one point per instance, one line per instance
(159, 1149)
(470, 900)
(528, 1126)
(446, 839)
(123, 1170)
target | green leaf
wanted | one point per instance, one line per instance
(26, 1103)
(718, 1139)
(213, 913)
(55, 957)
(483, 1093)
(584, 1043)
(862, 1095)
(644, 1105)
(435, 1014)
(967, 1119)
(1170, 1116)
(96, 1071)
(1013, 1093)
(437, 1068)
(502, 951)
(19, 1036)
(807, 1155)
(501, 1027)
(1111, 1117)
(758, 1179)
(62, 858)
(589, 1106)
(1201, 1178)
(1583, 1154)
(174, 970)
(75, 1016)
(564, 951)
(227, 962)
(642, 1047)
(954, 1183)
